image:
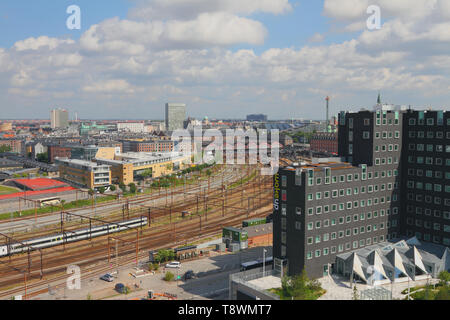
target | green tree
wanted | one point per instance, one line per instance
(123, 187)
(169, 276)
(91, 192)
(443, 293)
(132, 187)
(5, 148)
(444, 276)
(42, 157)
(299, 287)
(113, 188)
(102, 190)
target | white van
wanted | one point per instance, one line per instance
(173, 264)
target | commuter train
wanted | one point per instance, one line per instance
(71, 236)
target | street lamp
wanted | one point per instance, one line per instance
(264, 261)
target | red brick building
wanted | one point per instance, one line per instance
(325, 142)
(148, 146)
(15, 144)
(58, 151)
(260, 235)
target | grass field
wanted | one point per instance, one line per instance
(7, 190)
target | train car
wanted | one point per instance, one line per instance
(253, 222)
(71, 236)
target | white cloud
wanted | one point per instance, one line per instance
(346, 9)
(317, 37)
(190, 9)
(109, 86)
(37, 43)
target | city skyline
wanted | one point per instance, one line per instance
(280, 58)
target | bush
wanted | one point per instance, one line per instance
(169, 276)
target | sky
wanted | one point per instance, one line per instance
(223, 58)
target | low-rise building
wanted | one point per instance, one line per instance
(325, 142)
(130, 167)
(83, 173)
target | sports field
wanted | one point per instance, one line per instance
(7, 190)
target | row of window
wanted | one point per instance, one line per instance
(429, 135)
(348, 232)
(348, 206)
(427, 224)
(387, 148)
(427, 199)
(429, 121)
(352, 191)
(427, 212)
(436, 187)
(427, 237)
(428, 173)
(428, 147)
(428, 160)
(347, 246)
(348, 219)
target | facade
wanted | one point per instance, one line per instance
(324, 142)
(148, 146)
(137, 127)
(84, 173)
(59, 118)
(58, 151)
(175, 116)
(332, 207)
(15, 144)
(129, 167)
(426, 172)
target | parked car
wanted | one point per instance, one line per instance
(107, 277)
(120, 288)
(189, 275)
(173, 264)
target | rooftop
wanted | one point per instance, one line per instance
(40, 183)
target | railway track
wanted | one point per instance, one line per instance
(88, 253)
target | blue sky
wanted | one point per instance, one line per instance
(215, 56)
(21, 19)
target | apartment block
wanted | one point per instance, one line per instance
(390, 181)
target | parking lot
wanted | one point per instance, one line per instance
(210, 281)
